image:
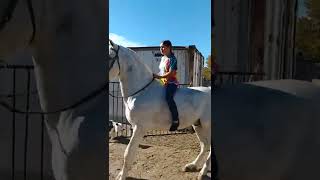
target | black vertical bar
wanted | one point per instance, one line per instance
(232, 78)
(27, 126)
(123, 116)
(294, 38)
(42, 146)
(117, 104)
(113, 115)
(13, 122)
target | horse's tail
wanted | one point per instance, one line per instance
(316, 82)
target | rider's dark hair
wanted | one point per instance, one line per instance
(168, 44)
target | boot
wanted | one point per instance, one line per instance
(174, 125)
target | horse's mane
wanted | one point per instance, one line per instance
(136, 57)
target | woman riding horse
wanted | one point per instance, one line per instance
(168, 75)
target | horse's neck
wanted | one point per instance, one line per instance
(134, 76)
(69, 64)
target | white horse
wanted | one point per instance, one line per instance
(146, 109)
(68, 48)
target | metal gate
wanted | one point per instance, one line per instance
(236, 77)
(23, 138)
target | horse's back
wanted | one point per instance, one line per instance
(274, 122)
(303, 89)
(201, 88)
(194, 90)
(194, 102)
(195, 94)
(316, 82)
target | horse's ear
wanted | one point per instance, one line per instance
(111, 43)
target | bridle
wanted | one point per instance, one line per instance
(113, 60)
(7, 16)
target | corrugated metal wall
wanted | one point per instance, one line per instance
(152, 58)
(185, 56)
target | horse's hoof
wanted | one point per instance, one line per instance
(190, 168)
(203, 177)
(120, 177)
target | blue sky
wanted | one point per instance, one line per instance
(301, 8)
(148, 22)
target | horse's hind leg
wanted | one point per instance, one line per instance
(130, 152)
(203, 135)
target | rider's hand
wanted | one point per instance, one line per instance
(156, 76)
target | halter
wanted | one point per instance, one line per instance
(113, 60)
(7, 16)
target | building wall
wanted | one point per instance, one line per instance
(242, 29)
(279, 44)
(190, 62)
(227, 36)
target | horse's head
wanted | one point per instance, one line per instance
(114, 66)
(123, 60)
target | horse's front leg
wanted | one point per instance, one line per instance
(130, 152)
(206, 166)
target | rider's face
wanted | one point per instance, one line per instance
(165, 50)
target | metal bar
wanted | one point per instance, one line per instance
(10, 66)
(13, 125)
(221, 80)
(42, 147)
(113, 99)
(117, 105)
(27, 126)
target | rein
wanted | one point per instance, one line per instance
(144, 87)
(113, 60)
(7, 16)
(76, 104)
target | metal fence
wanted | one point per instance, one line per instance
(23, 153)
(236, 77)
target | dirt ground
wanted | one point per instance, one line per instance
(158, 157)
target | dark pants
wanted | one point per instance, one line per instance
(170, 91)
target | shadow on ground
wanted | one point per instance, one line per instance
(125, 140)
